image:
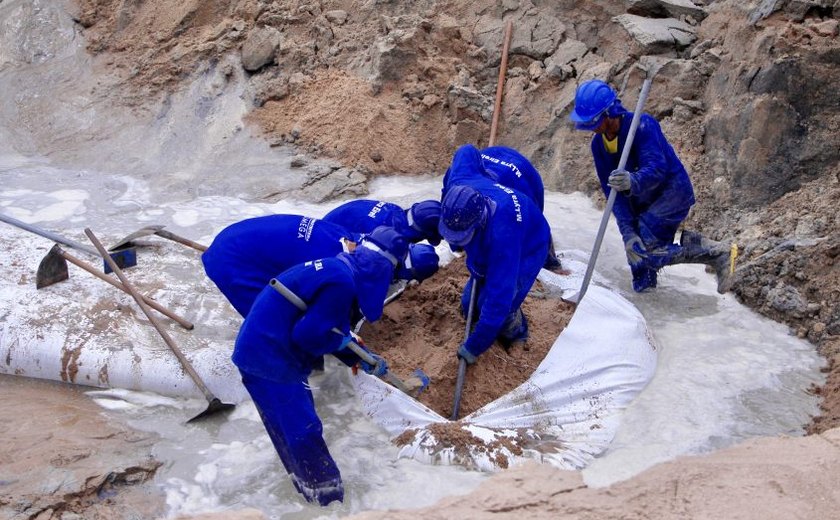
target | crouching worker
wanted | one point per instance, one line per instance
(278, 345)
(506, 240)
(245, 255)
(654, 191)
(417, 223)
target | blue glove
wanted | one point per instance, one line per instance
(378, 370)
(466, 355)
(635, 249)
(620, 180)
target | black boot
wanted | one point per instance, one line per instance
(697, 249)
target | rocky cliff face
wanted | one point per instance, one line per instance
(746, 92)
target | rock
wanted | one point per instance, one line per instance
(786, 299)
(326, 184)
(666, 8)
(656, 36)
(337, 16)
(258, 49)
(561, 64)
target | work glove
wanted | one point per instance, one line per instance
(620, 180)
(466, 355)
(635, 249)
(378, 369)
(351, 337)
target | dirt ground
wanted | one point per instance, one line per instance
(424, 328)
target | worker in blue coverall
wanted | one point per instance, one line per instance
(506, 240)
(654, 191)
(278, 345)
(417, 223)
(245, 255)
(510, 168)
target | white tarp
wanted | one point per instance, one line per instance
(566, 413)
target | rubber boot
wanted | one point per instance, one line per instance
(696, 249)
(552, 261)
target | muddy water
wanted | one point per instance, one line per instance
(724, 373)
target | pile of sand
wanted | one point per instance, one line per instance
(424, 327)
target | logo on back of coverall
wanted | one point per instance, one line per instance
(305, 228)
(516, 206)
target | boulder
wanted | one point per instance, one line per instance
(259, 47)
(666, 8)
(657, 35)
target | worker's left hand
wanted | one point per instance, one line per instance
(379, 369)
(466, 355)
(620, 180)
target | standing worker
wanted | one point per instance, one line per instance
(506, 240)
(654, 191)
(278, 345)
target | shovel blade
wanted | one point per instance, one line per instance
(52, 269)
(142, 232)
(215, 406)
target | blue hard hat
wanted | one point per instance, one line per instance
(463, 210)
(388, 242)
(423, 217)
(592, 100)
(422, 262)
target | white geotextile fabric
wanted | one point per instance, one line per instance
(566, 413)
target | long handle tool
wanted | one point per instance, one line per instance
(412, 386)
(125, 258)
(53, 269)
(159, 231)
(214, 404)
(462, 364)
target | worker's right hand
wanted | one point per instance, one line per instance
(378, 369)
(635, 249)
(466, 355)
(620, 180)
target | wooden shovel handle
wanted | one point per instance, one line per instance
(151, 303)
(185, 363)
(500, 85)
(181, 240)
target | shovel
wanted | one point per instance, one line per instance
(53, 269)
(462, 364)
(159, 231)
(214, 404)
(412, 386)
(124, 257)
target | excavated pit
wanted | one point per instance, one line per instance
(424, 327)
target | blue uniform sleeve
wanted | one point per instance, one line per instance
(330, 308)
(499, 286)
(652, 164)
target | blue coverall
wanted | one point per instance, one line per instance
(364, 215)
(505, 256)
(660, 197)
(510, 168)
(278, 345)
(245, 255)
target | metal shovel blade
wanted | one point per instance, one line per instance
(52, 269)
(215, 406)
(142, 232)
